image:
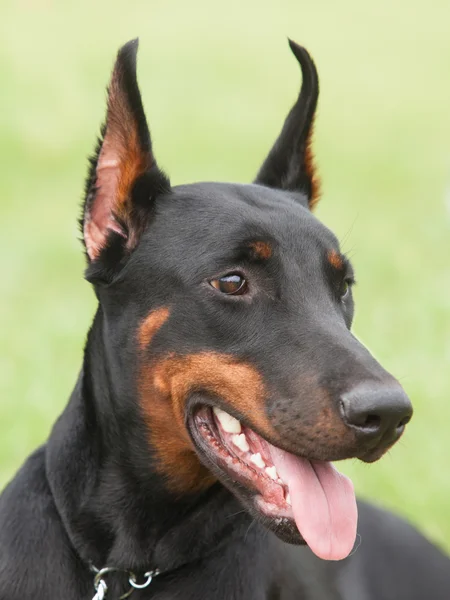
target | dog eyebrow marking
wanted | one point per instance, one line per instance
(336, 260)
(166, 384)
(261, 249)
(151, 324)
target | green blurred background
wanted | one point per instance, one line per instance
(217, 80)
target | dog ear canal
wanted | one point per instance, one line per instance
(290, 163)
(123, 179)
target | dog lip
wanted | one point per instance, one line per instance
(282, 522)
(372, 456)
(244, 462)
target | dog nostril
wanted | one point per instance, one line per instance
(402, 424)
(371, 422)
(405, 421)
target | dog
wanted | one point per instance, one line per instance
(220, 379)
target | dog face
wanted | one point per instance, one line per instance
(226, 312)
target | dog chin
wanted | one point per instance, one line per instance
(283, 527)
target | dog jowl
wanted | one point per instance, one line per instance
(225, 312)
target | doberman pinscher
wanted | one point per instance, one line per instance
(220, 379)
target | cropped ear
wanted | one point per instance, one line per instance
(124, 178)
(290, 163)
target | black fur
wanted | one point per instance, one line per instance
(95, 494)
(284, 168)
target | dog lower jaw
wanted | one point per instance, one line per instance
(323, 508)
(260, 491)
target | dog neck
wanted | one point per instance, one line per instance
(114, 506)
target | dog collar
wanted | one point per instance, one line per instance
(101, 587)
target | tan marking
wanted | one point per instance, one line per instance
(335, 259)
(311, 426)
(151, 324)
(262, 249)
(311, 170)
(165, 387)
(330, 423)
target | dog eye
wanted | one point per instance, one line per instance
(232, 284)
(345, 289)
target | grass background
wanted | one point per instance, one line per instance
(217, 80)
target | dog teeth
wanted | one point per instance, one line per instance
(240, 441)
(288, 499)
(257, 460)
(272, 472)
(229, 423)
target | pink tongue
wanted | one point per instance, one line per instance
(323, 503)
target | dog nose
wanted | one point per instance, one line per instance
(376, 412)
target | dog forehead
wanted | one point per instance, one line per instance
(239, 200)
(230, 213)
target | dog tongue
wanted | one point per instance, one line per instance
(323, 503)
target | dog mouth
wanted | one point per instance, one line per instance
(287, 491)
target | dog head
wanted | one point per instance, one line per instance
(226, 312)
